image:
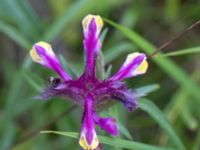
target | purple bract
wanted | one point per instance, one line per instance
(88, 91)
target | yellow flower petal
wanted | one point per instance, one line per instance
(33, 53)
(86, 21)
(131, 57)
(83, 143)
(99, 22)
(143, 67)
(35, 57)
(45, 45)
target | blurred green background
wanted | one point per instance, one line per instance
(24, 22)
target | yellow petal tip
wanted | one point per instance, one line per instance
(45, 45)
(143, 67)
(86, 20)
(33, 53)
(35, 57)
(83, 143)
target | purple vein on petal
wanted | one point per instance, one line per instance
(127, 70)
(52, 62)
(92, 46)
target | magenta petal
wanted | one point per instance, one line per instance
(50, 60)
(92, 46)
(88, 138)
(88, 123)
(91, 41)
(108, 124)
(135, 64)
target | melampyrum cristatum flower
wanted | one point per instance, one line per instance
(88, 91)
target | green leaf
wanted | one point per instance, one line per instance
(8, 137)
(108, 72)
(190, 121)
(160, 118)
(13, 98)
(19, 17)
(114, 141)
(180, 100)
(172, 9)
(15, 35)
(103, 35)
(114, 112)
(29, 78)
(182, 52)
(124, 131)
(166, 64)
(61, 22)
(117, 50)
(146, 89)
(28, 10)
(66, 65)
(196, 143)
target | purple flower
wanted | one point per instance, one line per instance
(88, 91)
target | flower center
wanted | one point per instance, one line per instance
(90, 86)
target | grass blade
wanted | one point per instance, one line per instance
(59, 24)
(15, 35)
(197, 144)
(117, 50)
(66, 65)
(20, 18)
(31, 14)
(157, 114)
(145, 90)
(114, 141)
(183, 52)
(31, 81)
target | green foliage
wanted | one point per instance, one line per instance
(172, 113)
(183, 52)
(157, 114)
(59, 24)
(117, 142)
